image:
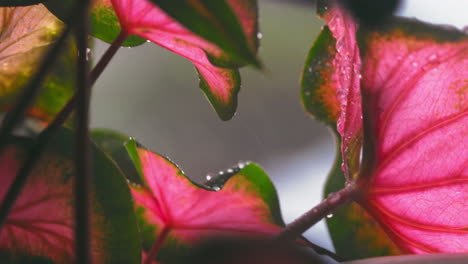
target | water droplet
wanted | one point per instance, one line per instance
(433, 57)
(216, 188)
(360, 76)
(208, 177)
(230, 171)
(329, 215)
(221, 172)
(259, 35)
(309, 69)
(88, 54)
(415, 64)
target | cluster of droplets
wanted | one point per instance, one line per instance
(213, 178)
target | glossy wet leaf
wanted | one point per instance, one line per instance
(415, 96)
(39, 228)
(354, 233)
(26, 34)
(179, 213)
(218, 70)
(330, 82)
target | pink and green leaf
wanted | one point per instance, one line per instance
(183, 213)
(229, 24)
(27, 34)
(330, 82)
(218, 69)
(40, 225)
(415, 96)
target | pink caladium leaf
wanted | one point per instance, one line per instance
(413, 85)
(415, 95)
(40, 226)
(330, 83)
(219, 75)
(175, 213)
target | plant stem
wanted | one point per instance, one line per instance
(157, 245)
(43, 139)
(82, 143)
(107, 56)
(326, 207)
(30, 91)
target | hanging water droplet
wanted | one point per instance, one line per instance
(216, 188)
(259, 35)
(329, 215)
(88, 54)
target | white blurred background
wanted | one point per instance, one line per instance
(151, 94)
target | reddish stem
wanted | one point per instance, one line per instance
(326, 207)
(157, 245)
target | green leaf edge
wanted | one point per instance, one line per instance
(311, 78)
(224, 111)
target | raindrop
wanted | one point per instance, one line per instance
(433, 57)
(360, 76)
(414, 64)
(230, 171)
(221, 172)
(329, 215)
(259, 35)
(208, 177)
(88, 54)
(216, 188)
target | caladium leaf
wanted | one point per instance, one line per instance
(415, 97)
(39, 229)
(229, 24)
(26, 35)
(413, 172)
(219, 76)
(330, 82)
(175, 213)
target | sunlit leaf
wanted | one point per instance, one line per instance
(176, 213)
(39, 228)
(26, 33)
(415, 96)
(219, 76)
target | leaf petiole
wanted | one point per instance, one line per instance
(335, 200)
